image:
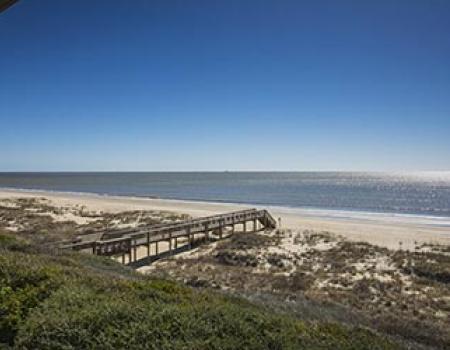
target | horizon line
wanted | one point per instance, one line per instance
(215, 171)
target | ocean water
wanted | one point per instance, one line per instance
(422, 193)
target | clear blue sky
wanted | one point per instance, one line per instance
(231, 84)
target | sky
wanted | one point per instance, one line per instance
(225, 85)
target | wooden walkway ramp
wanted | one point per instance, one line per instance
(132, 245)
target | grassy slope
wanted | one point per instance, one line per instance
(77, 301)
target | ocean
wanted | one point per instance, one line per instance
(419, 193)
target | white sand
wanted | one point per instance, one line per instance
(384, 230)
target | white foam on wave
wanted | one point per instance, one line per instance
(440, 221)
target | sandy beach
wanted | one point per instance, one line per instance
(381, 229)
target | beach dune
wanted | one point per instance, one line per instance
(387, 230)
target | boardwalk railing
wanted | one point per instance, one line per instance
(125, 243)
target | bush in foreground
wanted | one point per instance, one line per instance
(82, 302)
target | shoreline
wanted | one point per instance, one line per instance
(352, 214)
(377, 228)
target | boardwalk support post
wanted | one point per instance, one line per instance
(188, 234)
(135, 249)
(206, 232)
(129, 250)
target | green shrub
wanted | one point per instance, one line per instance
(76, 301)
(10, 242)
(23, 285)
(83, 319)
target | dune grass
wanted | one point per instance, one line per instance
(76, 301)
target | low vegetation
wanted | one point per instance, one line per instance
(252, 291)
(37, 220)
(76, 301)
(325, 278)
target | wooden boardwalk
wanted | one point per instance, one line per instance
(125, 243)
